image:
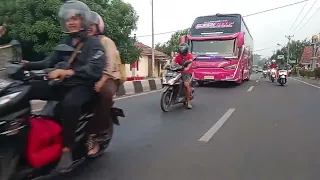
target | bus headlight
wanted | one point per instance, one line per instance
(234, 66)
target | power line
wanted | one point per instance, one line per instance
(305, 15)
(280, 7)
(298, 16)
(260, 12)
(308, 20)
(263, 49)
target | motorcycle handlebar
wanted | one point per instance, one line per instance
(36, 74)
(16, 71)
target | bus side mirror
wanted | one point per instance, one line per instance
(240, 39)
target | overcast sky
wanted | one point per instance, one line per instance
(267, 29)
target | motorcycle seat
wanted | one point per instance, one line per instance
(53, 109)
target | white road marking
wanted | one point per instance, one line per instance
(250, 88)
(257, 80)
(122, 97)
(139, 94)
(209, 134)
(305, 82)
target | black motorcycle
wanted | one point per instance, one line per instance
(15, 115)
(174, 91)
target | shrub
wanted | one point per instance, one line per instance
(317, 72)
(302, 72)
(294, 71)
(309, 73)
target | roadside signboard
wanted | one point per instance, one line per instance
(280, 57)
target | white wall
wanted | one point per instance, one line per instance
(143, 68)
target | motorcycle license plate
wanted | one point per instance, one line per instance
(208, 77)
(283, 76)
(273, 75)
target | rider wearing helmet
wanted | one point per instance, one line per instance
(184, 55)
(107, 86)
(273, 64)
(83, 73)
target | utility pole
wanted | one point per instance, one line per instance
(288, 46)
(315, 41)
(152, 26)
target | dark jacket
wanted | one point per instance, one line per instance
(88, 65)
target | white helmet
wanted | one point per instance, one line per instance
(273, 61)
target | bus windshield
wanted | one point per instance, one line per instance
(214, 47)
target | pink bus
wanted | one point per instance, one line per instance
(223, 46)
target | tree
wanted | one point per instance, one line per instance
(296, 50)
(172, 44)
(35, 24)
(256, 59)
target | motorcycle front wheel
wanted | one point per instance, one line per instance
(166, 102)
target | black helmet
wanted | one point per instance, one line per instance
(183, 49)
(74, 8)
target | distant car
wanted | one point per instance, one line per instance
(260, 70)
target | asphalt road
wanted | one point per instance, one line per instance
(270, 133)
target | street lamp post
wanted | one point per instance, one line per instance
(288, 51)
(152, 26)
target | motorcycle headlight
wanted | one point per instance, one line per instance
(164, 80)
(174, 79)
(166, 77)
(7, 98)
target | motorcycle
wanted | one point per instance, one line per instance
(174, 91)
(16, 126)
(264, 72)
(273, 75)
(282, 78)
(289, 72)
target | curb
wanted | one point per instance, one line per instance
(139, 86)
(127, 88)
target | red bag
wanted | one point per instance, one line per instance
(44, 144)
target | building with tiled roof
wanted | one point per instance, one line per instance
(306, 57)
(143, 65)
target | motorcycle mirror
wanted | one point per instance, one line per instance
(13, 69)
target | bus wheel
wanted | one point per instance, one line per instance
(248, 78)
(240, 79)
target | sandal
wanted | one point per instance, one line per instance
(93, 146)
